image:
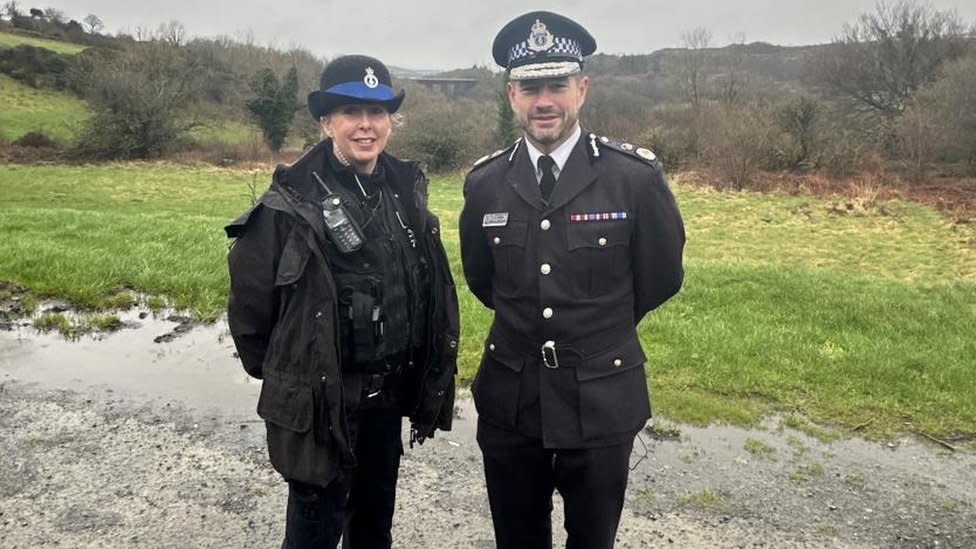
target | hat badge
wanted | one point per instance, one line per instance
(540, 39)
(370, 79)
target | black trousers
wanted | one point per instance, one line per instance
(521, 475)
(358, 507)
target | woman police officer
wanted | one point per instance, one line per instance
(342, 301)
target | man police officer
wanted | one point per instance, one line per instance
(571, 238)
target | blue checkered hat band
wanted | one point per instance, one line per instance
(561, 46)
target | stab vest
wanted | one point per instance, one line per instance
(383, 286)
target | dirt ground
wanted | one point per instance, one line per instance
(133, 439)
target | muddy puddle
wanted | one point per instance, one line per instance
(154, 358)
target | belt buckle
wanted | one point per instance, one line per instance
(549, 356)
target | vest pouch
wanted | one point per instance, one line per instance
(362, 321)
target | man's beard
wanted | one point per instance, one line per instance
(550, 136)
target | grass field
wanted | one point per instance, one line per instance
(9, 40)
(59, 115)
(845, 319)
(231, 133)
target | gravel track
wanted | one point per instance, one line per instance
(96, 465)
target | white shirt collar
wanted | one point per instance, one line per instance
(560, 155)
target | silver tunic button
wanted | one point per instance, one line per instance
(545, 224)
(545, 268)
(602, 241)
(617, 362)
(497, 240)
(547, 312)
(491, 346)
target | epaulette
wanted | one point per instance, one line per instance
(640, 153)
(235, 228)
(486, 159)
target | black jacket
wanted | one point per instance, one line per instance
(580, 272)
(282, 314)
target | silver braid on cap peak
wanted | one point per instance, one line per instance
(554, 69)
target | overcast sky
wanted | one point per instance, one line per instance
(445, 34)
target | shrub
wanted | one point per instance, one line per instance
(799, 119)
(738, 141)
(139, 97)
(36, 67)
(949, 104)
(274, 105)
(443, 134)
(35, 140)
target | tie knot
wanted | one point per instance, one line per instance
(546, 163)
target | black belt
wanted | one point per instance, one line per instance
(559, 354)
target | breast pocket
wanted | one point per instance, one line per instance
(599, 253)
(507, 248)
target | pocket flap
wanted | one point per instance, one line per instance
(286, 404)
(512, 361)
(613, 361)
(512, 234)
(293, 259)
(598, 234)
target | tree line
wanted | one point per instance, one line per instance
(897, 87)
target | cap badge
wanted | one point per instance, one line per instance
(540, 39)
(370, 79)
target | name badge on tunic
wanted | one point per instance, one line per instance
(499, 219)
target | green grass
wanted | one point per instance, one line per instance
(231, 133)
(807, 472)
(836, 320)
(760, 449)
(706, 500)
(86, 233)
(9, 40)
(59, 115)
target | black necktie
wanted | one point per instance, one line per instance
(548, 181)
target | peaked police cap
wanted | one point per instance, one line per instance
(542, 44)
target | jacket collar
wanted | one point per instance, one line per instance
(577, 174)
(300, 190)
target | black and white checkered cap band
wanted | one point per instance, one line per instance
(560, 46)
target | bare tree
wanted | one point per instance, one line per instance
(694, 42)
(733, 81)
(11, 10)
(143, 34)
(172, 33)
(881, 59)
(94, 23)
(54, 15)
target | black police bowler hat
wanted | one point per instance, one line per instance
(542, 44)
(354, 79)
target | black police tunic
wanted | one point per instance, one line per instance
(569, 279)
